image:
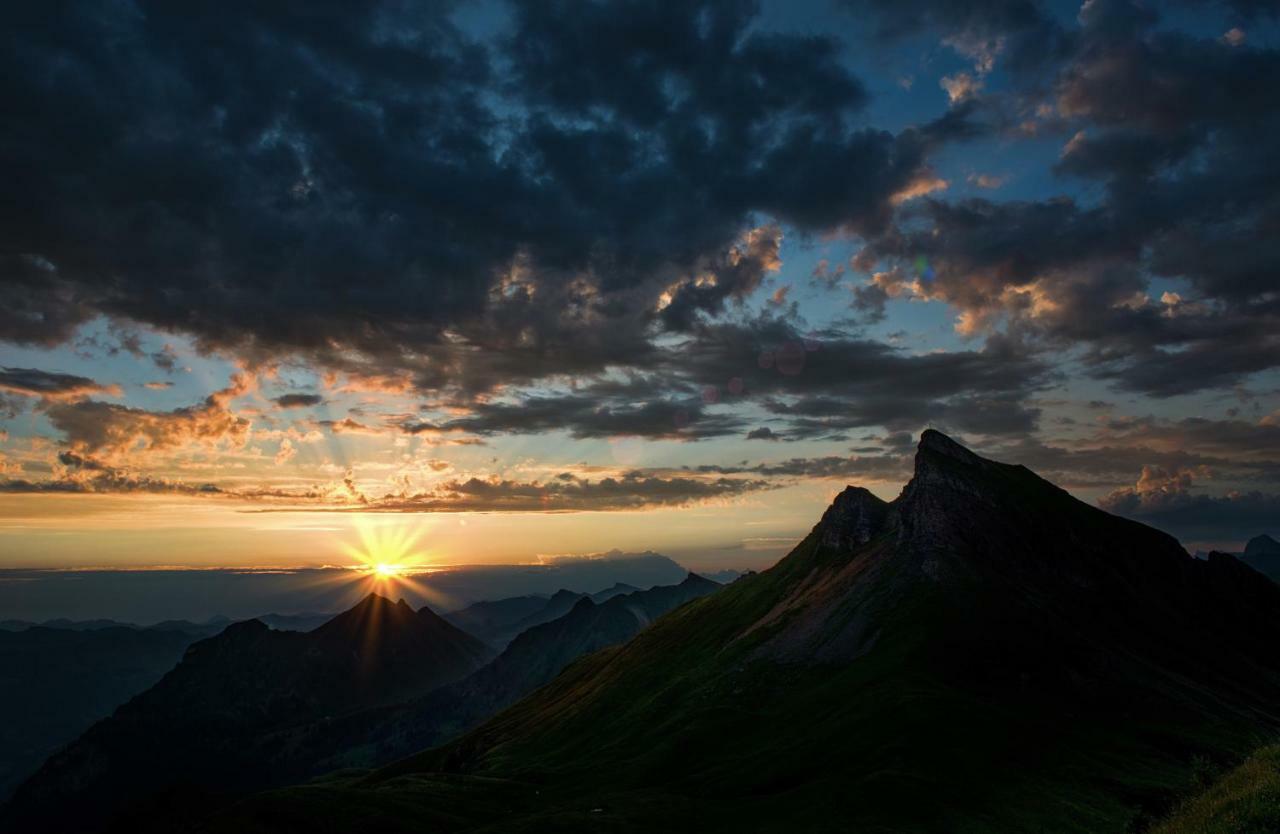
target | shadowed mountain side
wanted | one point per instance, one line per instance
(199, 731)
(985, 653)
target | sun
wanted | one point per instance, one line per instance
(388, 551)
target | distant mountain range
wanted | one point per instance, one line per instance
(161, 594)
(198, 732)
(531, 660)
(985, 653)
(63, 675)
(497, 622)
(285, 622)
(55, 683)
(252, 708)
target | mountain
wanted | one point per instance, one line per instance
(1262, 553)
(490, 620)
(1262, 545)
(55, 683)
(985, 653)
(532, 659)
(617, 589)
(379, 736)
(557, 606)
(198, 732)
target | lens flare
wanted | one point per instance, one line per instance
(388, 551)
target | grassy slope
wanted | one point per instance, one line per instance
(1244, 801)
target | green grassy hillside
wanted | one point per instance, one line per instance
(1246, 800)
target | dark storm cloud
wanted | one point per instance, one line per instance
(837, 467)
(569, 493)
(824, 384)
(279, 180)
(586, 416)
(816, 385)
(1023, 32)
(30, 382)
(298, 400)
(1175, 130)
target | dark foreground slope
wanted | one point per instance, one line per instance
(985, 653)
(202, 731)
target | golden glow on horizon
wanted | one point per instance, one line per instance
(388, 549)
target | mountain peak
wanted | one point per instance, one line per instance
(1262, 545)
(694, 580)
(853, 518)
(936, 442)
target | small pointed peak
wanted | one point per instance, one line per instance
(693, 580)
(933, 440)
(853, 518)
(583, 603)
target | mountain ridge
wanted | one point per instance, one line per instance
(1025, 661)
(196, 733)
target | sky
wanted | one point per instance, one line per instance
(520, 281)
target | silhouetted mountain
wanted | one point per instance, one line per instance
(55, 683)
(379, 736)
(497, 622)
(491, 619)
(1262, 545)
(984, 653)
(615, 590)
(530, 661)
(557, 606)
(1262, 553)
(199, 731)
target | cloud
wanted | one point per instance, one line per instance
(961, 86)
(465, 214)
(1181, 176)
(117, 431)
(1165, 499)
(763, 433)
(51, 386)
(298, 400)
(588, 415)
(286, 452)
(78, 474)
(569, 493)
